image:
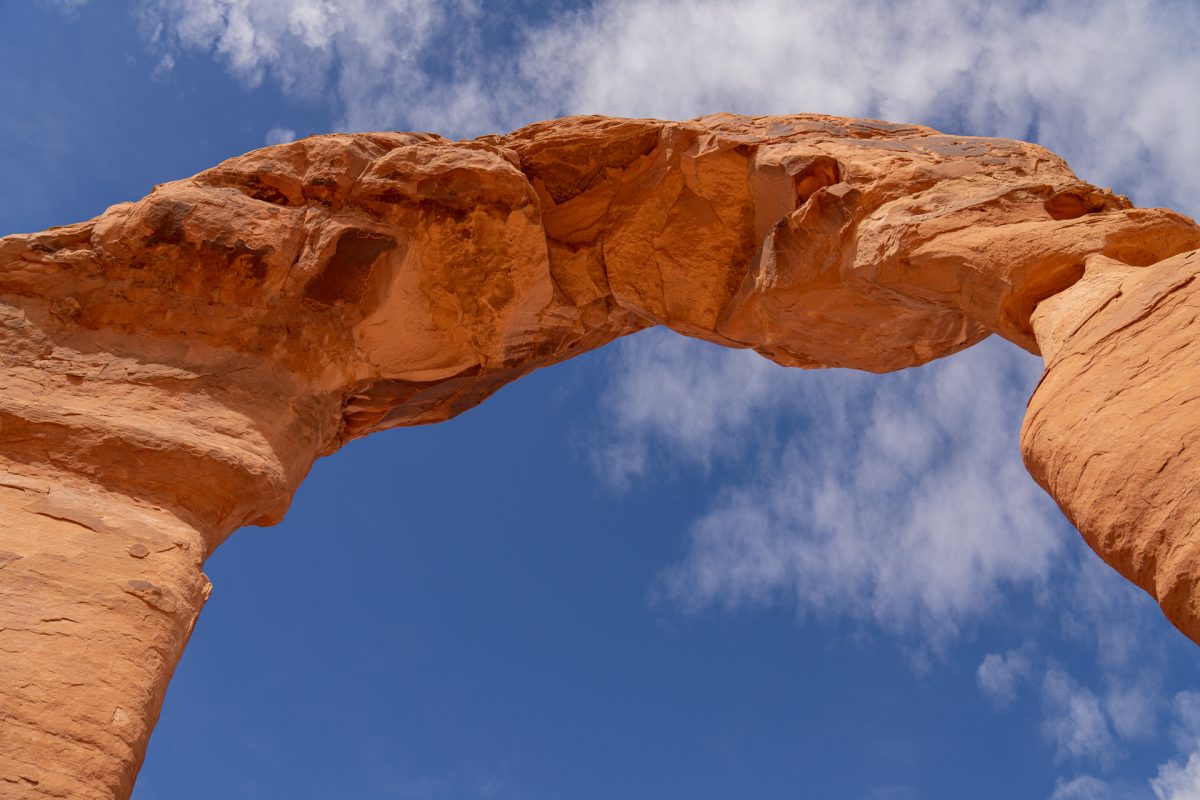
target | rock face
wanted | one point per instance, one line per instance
(171, 369)
(1113, 430)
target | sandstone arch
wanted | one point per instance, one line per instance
(171, 369)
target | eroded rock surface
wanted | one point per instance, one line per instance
(170, 370)
(1113, 430)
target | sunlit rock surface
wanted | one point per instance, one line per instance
(172, 368)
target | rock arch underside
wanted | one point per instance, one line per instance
(170, 370)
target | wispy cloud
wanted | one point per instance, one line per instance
(899, 499)
(1094, 719)
(1179, 779)
(1075, 721)
(1091, 81)
(280, 135)
(65, 6)
(1089, 787)
(671, 401)
(410, 63)
(1000, 675)
(1186, 730)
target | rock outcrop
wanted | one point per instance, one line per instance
(171, 369)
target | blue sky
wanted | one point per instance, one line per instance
(662, 569)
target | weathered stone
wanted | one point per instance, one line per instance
(1113, 430)
(171, 369)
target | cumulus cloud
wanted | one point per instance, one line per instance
(298, 44)
(1094, 718)
(895, 500)
(1113, 620)
(1178, 781)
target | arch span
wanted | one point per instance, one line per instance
(172, 368)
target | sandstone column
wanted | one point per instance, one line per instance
(1113, 430)
(100, 594)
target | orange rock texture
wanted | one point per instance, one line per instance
(171, 369)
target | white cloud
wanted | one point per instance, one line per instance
(1125, 698)
(1084, 787)
(280, 135)
(382, 64)
(1178, 781)
(672, 397)
(1132, 707)
(1088, 80)
(896, 499)
(1000, 676)
(1108, 614)
(1186, 708)
(1075, 722)
(162, 70)
(1089, 787)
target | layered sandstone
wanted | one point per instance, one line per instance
(171, 369)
